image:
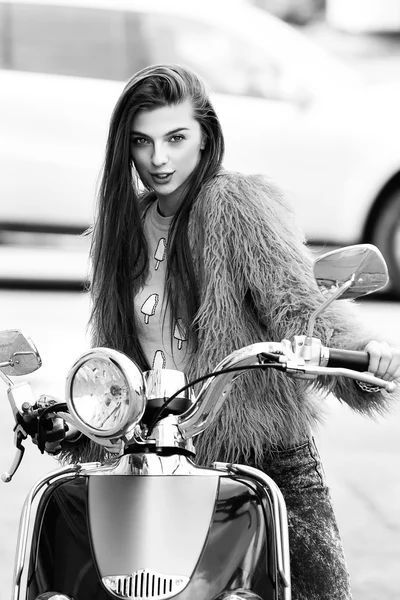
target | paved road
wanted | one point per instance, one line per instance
(360, 455)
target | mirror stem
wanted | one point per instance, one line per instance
(340, 290)
(6, 379)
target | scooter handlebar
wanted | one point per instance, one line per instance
(356, 360)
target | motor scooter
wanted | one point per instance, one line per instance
(148, 522)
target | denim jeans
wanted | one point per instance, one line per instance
(318, 566)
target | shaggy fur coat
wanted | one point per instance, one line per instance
(256, 284)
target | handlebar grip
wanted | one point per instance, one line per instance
(357, 360)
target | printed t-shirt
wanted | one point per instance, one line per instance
(154, 322)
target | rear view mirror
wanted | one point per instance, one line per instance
(358, 269)
(18, 354)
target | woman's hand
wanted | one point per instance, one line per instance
(384, 360)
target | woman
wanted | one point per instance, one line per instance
(202, 262)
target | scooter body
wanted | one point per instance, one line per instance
(98, 534)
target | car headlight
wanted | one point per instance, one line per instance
(105, 393)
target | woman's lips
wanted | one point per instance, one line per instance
(161, 178)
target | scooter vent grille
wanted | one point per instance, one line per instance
(145, 584)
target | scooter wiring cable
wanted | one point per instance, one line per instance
(275, 365)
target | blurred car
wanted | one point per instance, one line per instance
(375, 15)
(296, 12)
(330, 140)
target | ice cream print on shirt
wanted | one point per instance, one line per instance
(149, 307)
(164, 339)
(180, 333)
(160, 252)
(159, 361)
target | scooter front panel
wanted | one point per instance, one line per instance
(136, 521)
(237, 550)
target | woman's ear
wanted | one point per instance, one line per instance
(203, 143)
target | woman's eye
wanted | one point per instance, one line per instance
(139, 141)
(176, 138)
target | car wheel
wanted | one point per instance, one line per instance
(386, 236)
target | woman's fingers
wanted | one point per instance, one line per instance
(384, 360)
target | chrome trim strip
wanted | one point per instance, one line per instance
(152, 464)
(280, 514)
(145, 584)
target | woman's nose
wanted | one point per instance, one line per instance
(159, 156)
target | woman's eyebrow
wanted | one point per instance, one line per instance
(165, 135)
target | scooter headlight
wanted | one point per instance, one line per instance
(105, 393)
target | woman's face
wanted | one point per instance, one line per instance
(166, 143)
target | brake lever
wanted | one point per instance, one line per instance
(303, 371)
(18, 395)
(19, 437)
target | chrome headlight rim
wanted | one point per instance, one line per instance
(135, 385)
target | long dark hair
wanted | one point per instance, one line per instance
(119, 250)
